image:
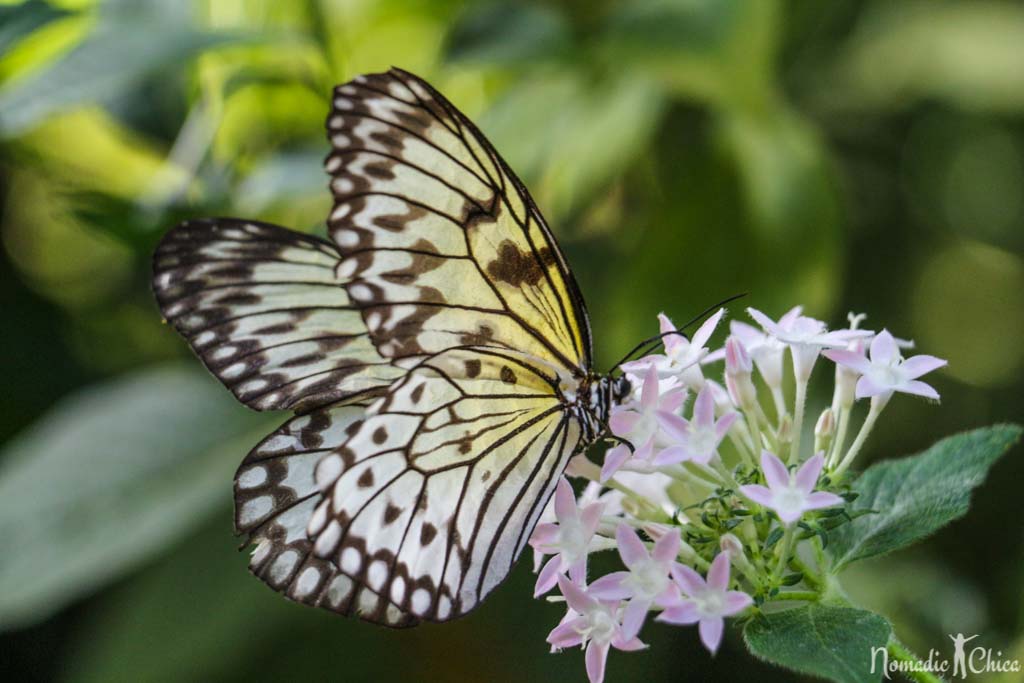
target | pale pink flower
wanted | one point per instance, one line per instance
(646, 583)
(682, 357)
(766, 351)
(568, 540)
(638, 423)
(696, 440)
(707, 602)
(886, 371)
(790, 495)
(592, 622)
(805, 336)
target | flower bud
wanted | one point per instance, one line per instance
(824, 429)
(723, 400)
(738, 368)
(730, 544)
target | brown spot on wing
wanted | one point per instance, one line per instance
(514, 266)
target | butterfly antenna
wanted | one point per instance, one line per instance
(642, 346)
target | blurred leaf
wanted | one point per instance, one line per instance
(129, 41)
(821, 640)
(19, 20)
(108, 477)
(174, 623)
(508, 33)
(968, 53)
(572, 138)
(918, 495)
(720, 51)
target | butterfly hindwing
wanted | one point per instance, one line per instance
(264, 309)
(442, 244)
(275, 495)
(432, 498)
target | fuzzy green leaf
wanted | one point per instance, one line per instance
(918, 495)
(821, 640)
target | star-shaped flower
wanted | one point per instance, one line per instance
(646, 583)
(682, 357)
(887, 372)
(791, 495)
(592, 622)
(638, 423)
(568, 539)
(805, 336)
(696, 440)
(707, 602)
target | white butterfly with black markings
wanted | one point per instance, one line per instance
(436, 352)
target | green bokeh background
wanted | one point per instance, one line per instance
(844, 155)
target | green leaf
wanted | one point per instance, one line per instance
(18, 21)
(820, 640)
(508, 33)
(918, 495)
(97, 70)
(109, 477)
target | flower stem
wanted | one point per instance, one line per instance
(811, 577)
(798, 421)
(877, 404)
(786, 548)
(840, 440)
(901, 653)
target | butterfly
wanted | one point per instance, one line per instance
(436, 352)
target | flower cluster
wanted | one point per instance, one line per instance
(707, 478)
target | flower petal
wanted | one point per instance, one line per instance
(711, 632)
(591, 517)
(775, 472)
(791, 315)
(667, 547)
(613, 460)
(736, 602)
(807, 475)
(704, 332)
(650, 390)
(883, 349)
(611, 587)
(724, 424)
(851, 359)
(633, 617)
(631, 548)
(689, 580)
(597, 654)
(576, 596)
(684, 613)
(919, 389)
(916, 366)
(868, 386)
(548, 576)
(765, 322)
(565, 500)
(718, 574)
(759, 494)
(704, 408)
(623, 422)
(567, 634)
(675, 427)
(672, 455)
(671, 341)
(823, 499)
(544, 534)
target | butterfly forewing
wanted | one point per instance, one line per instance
(265, 311)
(430, 500)
(442, 244)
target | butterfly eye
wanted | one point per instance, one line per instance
(623, 387)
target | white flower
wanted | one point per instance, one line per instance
(790, 495)
(887, 372)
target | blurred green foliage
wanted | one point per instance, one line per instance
(851, 154)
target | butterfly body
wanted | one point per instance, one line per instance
(436, 351)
